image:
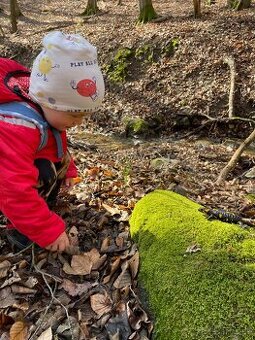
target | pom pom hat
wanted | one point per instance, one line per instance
(65, 76)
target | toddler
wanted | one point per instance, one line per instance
(66, 85)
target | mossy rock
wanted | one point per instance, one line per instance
(136, 127)
(208, 294)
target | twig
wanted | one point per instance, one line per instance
(50, 290)
(2, 31)
(231, 63)
(40, 321)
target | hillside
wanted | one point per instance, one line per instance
(191, 79)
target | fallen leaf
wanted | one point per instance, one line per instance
(134, 264)
(114, 266)
(77, 180)
(75, 289)
(18, 331)
(46, 335)
(101, 303)
(80, 265)
(105, 244)
(6, 298)
(124, 279)
(22, 290)
(5, 320)
(15, 278)
(113, 211)
(4, 267)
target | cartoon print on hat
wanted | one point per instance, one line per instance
(86, 88)
(45, 66)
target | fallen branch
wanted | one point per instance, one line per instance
(235, 158)
(231, 63)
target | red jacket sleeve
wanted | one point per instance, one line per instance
(19, 199)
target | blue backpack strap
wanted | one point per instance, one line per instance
(58, 140)
(26, 112)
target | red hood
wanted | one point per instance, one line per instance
(14, 77)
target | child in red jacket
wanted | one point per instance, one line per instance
(66, 84)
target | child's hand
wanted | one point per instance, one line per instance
(69, 183)
(60, 244)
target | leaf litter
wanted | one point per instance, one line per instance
(86, 293)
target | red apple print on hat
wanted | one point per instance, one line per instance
(86, 88)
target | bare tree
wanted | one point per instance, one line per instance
(17, 9)
(197, 8)
(147, 12)
(13, 17)
(239, 4)
(91, 8)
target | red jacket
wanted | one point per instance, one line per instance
(19, 199)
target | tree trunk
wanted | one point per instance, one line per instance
(91, 8)
(147, 12)
(13, 16)
(197, 8)
(237, 5)
(17, 10)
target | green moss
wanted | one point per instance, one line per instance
(136, 126)
(209, 294)
(117, 71)
(169, 47)
(145, 53)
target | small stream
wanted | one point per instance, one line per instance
(117, 143)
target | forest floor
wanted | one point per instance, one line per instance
(182, 150)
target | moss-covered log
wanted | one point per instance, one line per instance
(208, 294)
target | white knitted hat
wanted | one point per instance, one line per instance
(65, 75)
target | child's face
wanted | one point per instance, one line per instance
(62, 120)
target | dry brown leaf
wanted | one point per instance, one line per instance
(105, 244)
(23, 306)
(31, 282)
(134, 264)
(15, 278)
(93, 172)
(94, 255)
(124, 279)
(75, 289)
(101, 303)
(6, 298)
(23, 264)
(85, 329)
(5, 320)
(46, 335)
(4, 267)
(119, 241)
(80, 265)
(113, 211)
(18, 331)
(108, 173)
(114, 267)
(136, 315)
(22, 290)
